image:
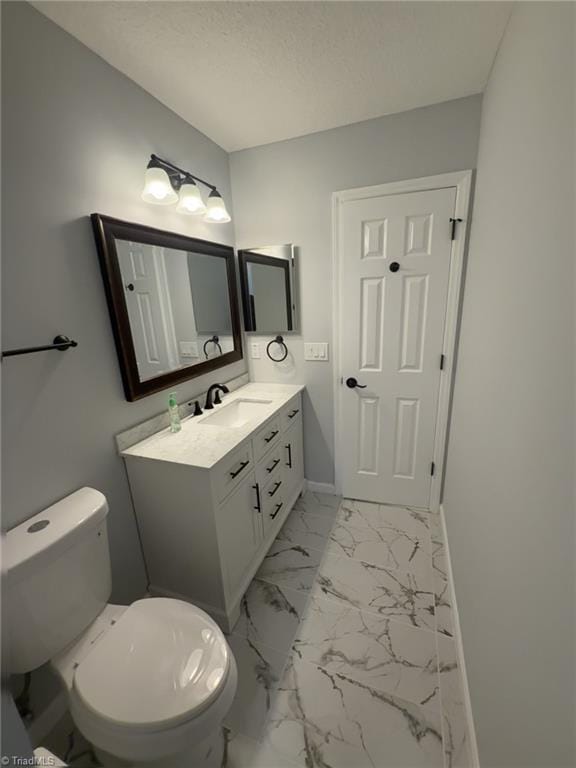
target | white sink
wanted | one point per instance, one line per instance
(236, 414)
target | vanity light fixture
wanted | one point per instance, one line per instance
(166, 183)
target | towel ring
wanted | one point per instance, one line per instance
(214, 340)
(278, 340)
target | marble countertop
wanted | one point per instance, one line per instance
(204, 445)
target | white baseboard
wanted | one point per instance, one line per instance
(314, 487)
(474, 755)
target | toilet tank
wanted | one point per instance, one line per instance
(57, 577)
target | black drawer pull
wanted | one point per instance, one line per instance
(271, 436)
(291, 415)
(243, 465)
(258, 506)
(274, 465)
(289, 447)
(276, 486)
(278, 508)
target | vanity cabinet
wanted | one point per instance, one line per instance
(205, 531)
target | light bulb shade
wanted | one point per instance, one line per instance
(190, 200)
(216, 210)
(157, 187)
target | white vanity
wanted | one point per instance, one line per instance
(211, 498)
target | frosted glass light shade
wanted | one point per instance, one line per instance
(216, 210)
(190, 200)
(157, 187)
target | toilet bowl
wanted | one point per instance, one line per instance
(149, 683)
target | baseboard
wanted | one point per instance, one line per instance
(474, 755)
(328, 488)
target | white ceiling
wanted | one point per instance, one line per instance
(250, 73)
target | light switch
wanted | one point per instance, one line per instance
(255, 350)
(316, 351)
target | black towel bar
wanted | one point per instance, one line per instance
(62, 343)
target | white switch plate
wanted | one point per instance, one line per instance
(255, 350)
(189, 349)
(316, 351)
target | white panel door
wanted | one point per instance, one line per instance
(142, 289)
(394, 270)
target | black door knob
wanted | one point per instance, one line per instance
(352, 383)
(130, 286)
(394, 267)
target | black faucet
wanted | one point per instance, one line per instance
(217, 388)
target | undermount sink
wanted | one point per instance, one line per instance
(236, 414)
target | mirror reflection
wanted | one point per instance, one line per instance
(178, 306)
(268, 278)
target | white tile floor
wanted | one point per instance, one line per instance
(344, 646)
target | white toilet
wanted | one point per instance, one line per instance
(149, 683)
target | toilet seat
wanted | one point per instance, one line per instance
(150, 648)
(163, 662)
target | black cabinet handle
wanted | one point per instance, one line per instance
(394, 267)
(291, 415)
(273, 466)
(243, 466)
(352, 383)
(276, 486)
(130, 286)
(289, 447)
(258, 506)
(271, 436)
(278, 508)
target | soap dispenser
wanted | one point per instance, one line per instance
(173, 413)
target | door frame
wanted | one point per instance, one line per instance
(462, 182)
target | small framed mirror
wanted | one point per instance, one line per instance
(268, 277)
(172, 301)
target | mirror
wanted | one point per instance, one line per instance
(269, 288)
(172, 301)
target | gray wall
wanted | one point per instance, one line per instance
(508, 494)
(76, 138)
(282, 194)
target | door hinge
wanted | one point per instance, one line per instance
(453, 232)
(432, 469)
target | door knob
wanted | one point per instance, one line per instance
(352, 383)
(394, 267)
(130, 286)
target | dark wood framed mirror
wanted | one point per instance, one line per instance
(268, 280)
(173, 304)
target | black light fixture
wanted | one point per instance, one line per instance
(166, 184)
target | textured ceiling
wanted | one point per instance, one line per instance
(249, 73)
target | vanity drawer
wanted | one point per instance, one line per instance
(291, 412)
(269, 466)
(266, 439)
(233, 469)
(273, 501)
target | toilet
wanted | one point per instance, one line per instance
(149, 683)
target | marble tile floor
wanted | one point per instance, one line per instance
(345, 645)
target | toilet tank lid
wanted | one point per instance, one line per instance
(52, 531)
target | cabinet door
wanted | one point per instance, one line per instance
(240, 532)
(293, 464)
